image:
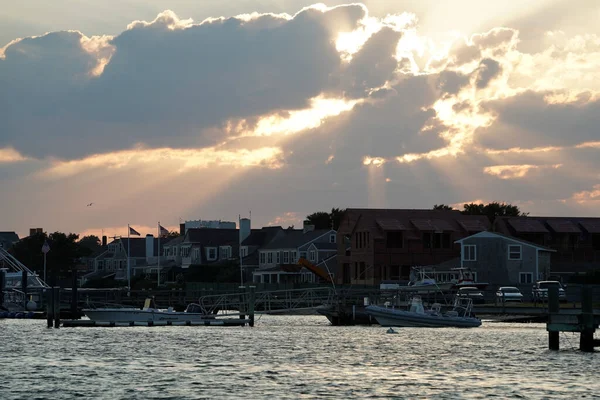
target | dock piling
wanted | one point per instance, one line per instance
(49, 306)
(251, 298)
(56, 305)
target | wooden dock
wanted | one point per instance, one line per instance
(585, 321)
(209, 322)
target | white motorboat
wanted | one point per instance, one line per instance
(149, 313)
(459, 317)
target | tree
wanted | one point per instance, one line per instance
(336, 217)
(61, 259)
(493, 210)
(442, 207)
(88, 245)
(320, 219)
(325, 220)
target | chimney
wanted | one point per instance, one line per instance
(182, 229)
(307, 227)
(149, 247)
(245, 229)
(104, 241)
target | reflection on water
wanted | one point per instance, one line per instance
(291, 357)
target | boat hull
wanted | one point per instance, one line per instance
(137, 315)
(398, 318)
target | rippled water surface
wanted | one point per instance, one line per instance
(291, 357)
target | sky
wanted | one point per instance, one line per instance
(182, 110)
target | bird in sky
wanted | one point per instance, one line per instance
(89, 205)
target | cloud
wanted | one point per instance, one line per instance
(286, 114)
(515, 171)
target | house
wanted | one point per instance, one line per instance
(8, 239)
(504, 260)
(383, 244)
(576, 240)
(278, 261)
(140, 252)
(208, 245)
(250, 245)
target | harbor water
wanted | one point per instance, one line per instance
(291, 357)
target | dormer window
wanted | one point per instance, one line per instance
(211, 253)
(332, 238)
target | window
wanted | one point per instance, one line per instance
(211, 253)
(262, 257)
(244, 251)
(312, 255)
(293, 257)
(332, 238)
(525, 277)
(286, 257)
(269, 258)
(469, 252)
(225, 252)
(278, 257)
(514, 251)
(196, 254)
(394, 240)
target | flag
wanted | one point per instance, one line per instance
(45, 247)
(163, 230)
(133, 232)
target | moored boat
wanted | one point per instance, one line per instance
(149, 312)
(460, 316)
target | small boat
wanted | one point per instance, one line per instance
(149, 312)
(460, 316)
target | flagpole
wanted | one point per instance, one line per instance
(158, 263)
(128, 266)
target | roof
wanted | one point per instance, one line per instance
(324, 245)
(494, 235)
(9, 237)
(563, 226)
(138, 246)
(410, 221)
(532, 224)
(262, 237)
(175, 241)
(212, 236)
(295, 238)
(527, 225)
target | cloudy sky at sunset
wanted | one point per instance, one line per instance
(166, 110)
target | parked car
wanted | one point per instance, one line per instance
(540, 290)
(508, 293)
(472, 293)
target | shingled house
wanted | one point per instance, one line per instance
(575, 239)
(386, 243)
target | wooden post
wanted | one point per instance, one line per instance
(74, 312)
(553, 308)
(251, 299)
(56, 301)
(242, 303)
(2, 284)
(586, 338)
(49, 306)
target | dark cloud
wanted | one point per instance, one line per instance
(529, 120)
(451, 82)
(167, 86)
(488, 70)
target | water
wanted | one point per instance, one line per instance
(291, 357)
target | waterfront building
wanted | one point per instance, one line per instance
(383, 244)
(503, 260)
(576, 240)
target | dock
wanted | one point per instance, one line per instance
(106, 324)
(585, 321)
